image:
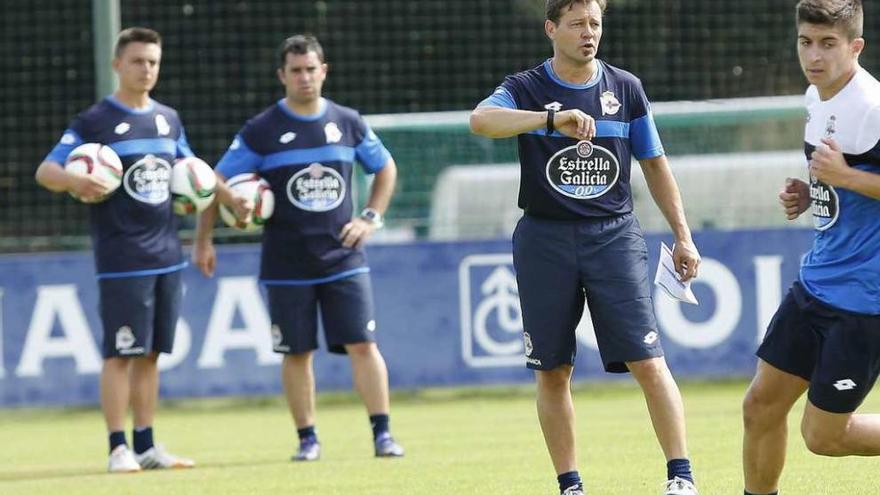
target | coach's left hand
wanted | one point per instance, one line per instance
(686, 259)
(356, 232)
(828, 165)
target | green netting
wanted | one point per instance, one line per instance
(386, 56)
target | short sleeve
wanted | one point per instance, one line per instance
(183, 149)
(239, 158)
(502, 98)
(643, 135)
(370, 152)
(70, 139)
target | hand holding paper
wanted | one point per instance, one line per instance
(668, 278)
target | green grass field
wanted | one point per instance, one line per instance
(472, 441)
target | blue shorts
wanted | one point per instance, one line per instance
(346, 308)
(559, 264)
(837, 351)
(139, 313)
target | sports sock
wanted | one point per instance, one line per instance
(680, 468)
(142, 439)
(568, 480)
(307, 433)
(117, 438)
(379, 423)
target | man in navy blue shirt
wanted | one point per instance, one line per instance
(825, 337)
(134, 234)
(312, 260)
(579, 122)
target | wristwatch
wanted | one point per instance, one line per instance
(373, 217)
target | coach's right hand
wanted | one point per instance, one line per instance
(575, 124)
(794, 198)
(86, 188)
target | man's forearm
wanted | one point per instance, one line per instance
(497, 122)
(864, 183)
(667, 196)
(383, 187)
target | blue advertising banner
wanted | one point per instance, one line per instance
(447, 314)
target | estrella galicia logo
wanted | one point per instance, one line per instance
(825, 204)
(147, 180)
(316, 188)
(583, 171)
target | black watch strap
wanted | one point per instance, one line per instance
(551, 115)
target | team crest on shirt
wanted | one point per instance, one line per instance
(583, 171)
(147, 180)
(610, 103)
(332, 132)
(555, 106)
(162, 126)
(287, 137)
(316, 188)
(825, 205)
(831, 126)
(125, 341)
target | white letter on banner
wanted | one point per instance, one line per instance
(728, 308)
(77, 342)
(768, 282)
(238, 293)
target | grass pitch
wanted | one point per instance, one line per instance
(471, 441)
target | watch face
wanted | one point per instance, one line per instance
(371, 216)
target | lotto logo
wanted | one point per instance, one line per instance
(846, 384)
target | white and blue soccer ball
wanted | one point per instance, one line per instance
(192, 185)
(255, 188)
(99, 161)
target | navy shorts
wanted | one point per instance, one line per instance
(346, 308)
(559, 265)
(837, 351)
(139, 313)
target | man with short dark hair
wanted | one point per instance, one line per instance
(312, 259)
(134, 233)
(825, 337)
(579, 121)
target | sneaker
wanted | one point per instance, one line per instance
(122, 460)
(574, 490)
(679, 486)
(157, 457)
(387, 447)
(309, 450)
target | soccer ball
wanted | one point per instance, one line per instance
(260, 192)
(99, 161)
(192, 185)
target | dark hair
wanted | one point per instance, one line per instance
(845, 14)
(299, 44)
(554, 8)
(135, 35)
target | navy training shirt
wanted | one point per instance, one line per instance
(134, 231)
(308, 160)
(561, 178)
